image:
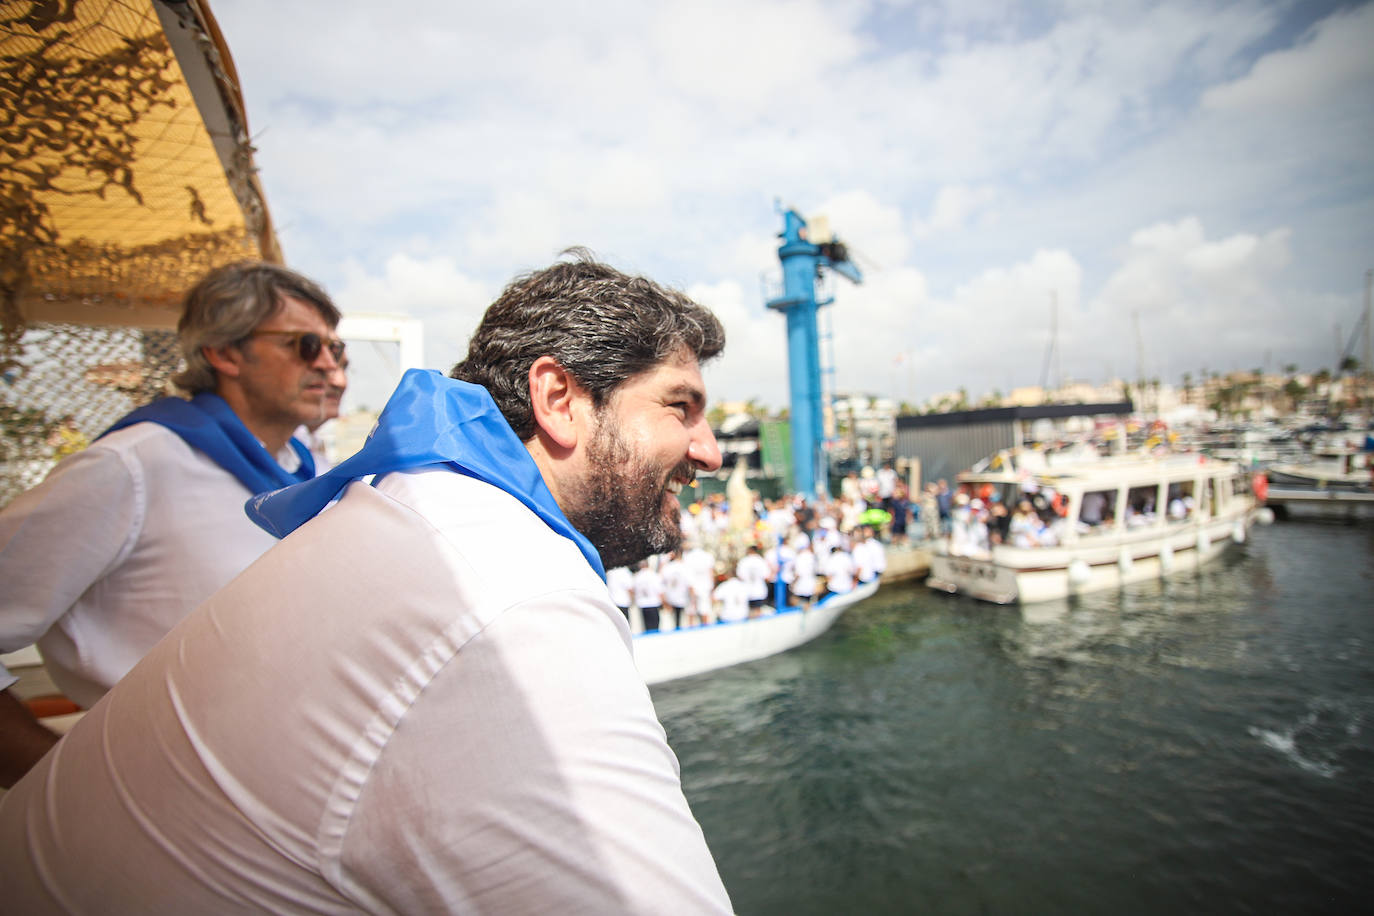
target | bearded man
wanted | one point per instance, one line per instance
(422, 699)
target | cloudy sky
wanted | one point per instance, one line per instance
(1191, 182)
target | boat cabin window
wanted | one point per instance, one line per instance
(1098, 510)
(1182, 502)
(1140, 506)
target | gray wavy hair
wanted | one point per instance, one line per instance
(599, 324)
(228, 303)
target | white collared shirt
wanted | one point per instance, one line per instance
(393, 710)
(114, 547)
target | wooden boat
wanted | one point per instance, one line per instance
(1115, 520)
(672, 654)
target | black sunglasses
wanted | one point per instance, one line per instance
(309, 344)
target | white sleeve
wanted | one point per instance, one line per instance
(531, 776)
(60, 537)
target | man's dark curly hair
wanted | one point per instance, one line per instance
(599, 324)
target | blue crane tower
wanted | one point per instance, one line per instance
(802, 264)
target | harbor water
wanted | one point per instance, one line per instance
(1204, 744)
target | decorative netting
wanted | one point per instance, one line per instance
(77, 380)
(126, 174)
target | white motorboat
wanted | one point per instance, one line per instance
(1106, 522)
(672, 654)
(1334, 467)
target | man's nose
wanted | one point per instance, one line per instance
(703, 450)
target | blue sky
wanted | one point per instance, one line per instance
(1203, 171)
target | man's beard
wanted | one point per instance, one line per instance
(620, 506)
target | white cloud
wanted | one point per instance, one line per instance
(955, 206)
(435, 290)
(872, 229)
(1334, 59)
(1201, 302)
(974, 156)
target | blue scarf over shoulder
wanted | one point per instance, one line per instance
(208, 423)
(430, 420)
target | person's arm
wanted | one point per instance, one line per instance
(26, 740)
(55, 541)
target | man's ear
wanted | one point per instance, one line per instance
(227, 360)
(560, 405)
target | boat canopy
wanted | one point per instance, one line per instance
(128, 170)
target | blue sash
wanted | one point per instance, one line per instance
(208, 423)
(429, 420)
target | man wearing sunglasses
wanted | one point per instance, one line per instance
(125, 537)
(422, 700)
(337, 380)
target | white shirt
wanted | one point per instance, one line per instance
(619, 582)
(733, 596)
(314, 442)
(804, 574)
(752, 570)
(392, 711)
(839, 572)
(648, 585)
(676, 583)
(868, 556)
(118, 543)
(701, 575)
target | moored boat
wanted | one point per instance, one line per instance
(1334, 467)
(672, 654)
(1095, 523)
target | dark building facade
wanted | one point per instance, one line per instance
(948, 443)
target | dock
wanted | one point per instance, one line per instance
(906, 562)
(1338, 504)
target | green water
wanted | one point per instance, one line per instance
(1200, 745)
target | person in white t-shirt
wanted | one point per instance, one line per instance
(677, 588)
(803, 583)
(125, 537)
(752, 570)
(701, 578)
(733, 596)
(839, 572)
(648, 594)
(620, 582)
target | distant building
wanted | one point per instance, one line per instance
(860, 429)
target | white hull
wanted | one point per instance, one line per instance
(1326, 504)
(674, 654)
(1031, 574)
(1154, 514)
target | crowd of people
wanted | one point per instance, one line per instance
(731, 572)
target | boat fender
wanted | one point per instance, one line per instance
(1259, 485)
(1166, 558)
(1238, 532)
(1264, 515)
(1124, 560)
(1203, 543)
(1079, 572)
